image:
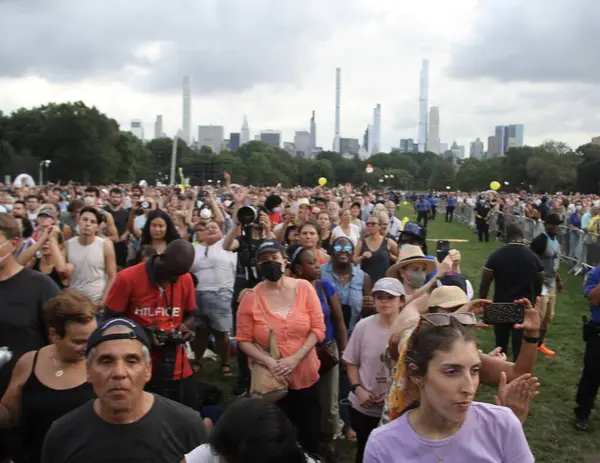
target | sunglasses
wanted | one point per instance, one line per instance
(340, 248)
(445, 319)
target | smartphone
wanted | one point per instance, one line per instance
(503, 313)
(201, 194)
(442, 250)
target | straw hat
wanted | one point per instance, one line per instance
(410, 254)
(447, 297)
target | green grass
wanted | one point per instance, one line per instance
(549, 427)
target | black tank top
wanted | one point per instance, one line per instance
(41, 406)
(378, 263)
(54, 275)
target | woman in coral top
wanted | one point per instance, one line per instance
(294, 312)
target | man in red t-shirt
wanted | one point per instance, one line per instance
(159, 296)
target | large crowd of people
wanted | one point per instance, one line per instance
(342, 324)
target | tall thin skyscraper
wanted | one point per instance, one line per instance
(423, 105)
(245, 132)
(158, 127)
(313, 135)
(137, 128)
(433, 137)
(338, 86)
(376, 129)
(187, 110)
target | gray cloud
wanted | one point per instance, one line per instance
(533, 41)
(226, 45)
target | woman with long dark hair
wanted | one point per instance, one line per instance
(446, 424)
(159, 231)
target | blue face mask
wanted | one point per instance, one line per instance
(578, 208)
(277, 210)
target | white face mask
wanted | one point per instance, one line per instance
(3, 258)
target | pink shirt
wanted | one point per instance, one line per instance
(490, 434)
(366, 349)
(305, 317)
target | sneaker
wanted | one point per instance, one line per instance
(581, 425)
(547, 352)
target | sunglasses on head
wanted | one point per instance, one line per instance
(445, 319)
(340, 248)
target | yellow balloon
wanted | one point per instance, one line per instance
(322, 181)
(405, 203)
(495, 185)
(405, 220)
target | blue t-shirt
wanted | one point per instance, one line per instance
(574, 220)
(329, 291)
(423, 206)
(451, 202)
(591, 281)
(432, 201)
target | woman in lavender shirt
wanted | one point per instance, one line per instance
(447, 426)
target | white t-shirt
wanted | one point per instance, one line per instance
(204, 454)
(214, 267)
(140, 221)
(354, 234)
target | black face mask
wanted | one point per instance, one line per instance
(271, 270)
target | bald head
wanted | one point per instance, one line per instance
(178, 257)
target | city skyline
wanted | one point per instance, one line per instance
(136, 73)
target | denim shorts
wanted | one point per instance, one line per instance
(214, 310)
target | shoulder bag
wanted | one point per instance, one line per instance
(263, 384)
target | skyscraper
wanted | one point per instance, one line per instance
(499, 133)
(302, 141)
(313, 135)
(338, 87)
(377, 129)
(423, 105)
(158, 127)
(234, 141)
(137, 128)
(211, 136)
(187, 109)
(433, 137)
(271, 137)
(494, 146)
(371, 139)
(513, 136)
(245, 132)
(476, 151)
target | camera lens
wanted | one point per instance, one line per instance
(145, 204)
(247, 215)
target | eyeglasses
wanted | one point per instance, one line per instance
(340, 248)
(372, 224)
(445, 319)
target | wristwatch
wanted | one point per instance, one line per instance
(354, 387)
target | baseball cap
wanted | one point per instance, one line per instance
(447, 297)
(269, 247)
(137, 333)
(389, 285)
(46, 213)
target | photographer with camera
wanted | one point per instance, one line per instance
(159, 296)
(252, 228)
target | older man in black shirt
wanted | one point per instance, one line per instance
(124, 424)
(518, 273)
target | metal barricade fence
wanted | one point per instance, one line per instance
(580, 250)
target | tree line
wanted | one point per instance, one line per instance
(84, 145)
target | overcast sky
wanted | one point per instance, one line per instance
(492, 62)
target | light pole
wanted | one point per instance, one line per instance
(45, 163)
